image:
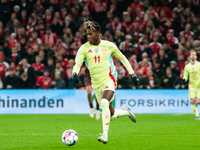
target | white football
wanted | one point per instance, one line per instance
(69, 137)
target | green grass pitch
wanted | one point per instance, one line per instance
(151, 132)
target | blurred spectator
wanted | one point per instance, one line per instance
(121, 82)
(58, 68)
(179, 83)
(148, 53)
(162, 57)
(135, 4)
(145, 56)
(69, 68)
(35, 40)
(115, 25)
(30, 55)
(30, 71)
(70, 23)
(15, 26)
(24, 18)
(3, 67)
(43, 82)
(118, 37)
(50, 65)
(68, 37)
(82, 18)
(128, 24)
(64, 62)
(158, 69)
(13, 40)
(16, 57)
(56, 27)
(155, 20)
(137, 31)
(105, 25)
(155, 45)
(187, 32)
(26, 5)
(171, 38)
(21, 51)
(151, 81)
(197, 45)
(60, 43)
(24, 82)
(167, 81)
(5, 11)
(173, 66)
(6, 59)
(124, 45)
(58, 82)
(143, 69)
(49, 37)
(11, 81)
(53, 52)
(120, 70)
(38, 66)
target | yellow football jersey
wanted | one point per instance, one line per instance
(193, 72)
(99, 61)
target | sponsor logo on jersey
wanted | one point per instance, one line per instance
(89, 51)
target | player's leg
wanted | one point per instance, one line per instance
(97, 109)
(198, 102)
(193, 95)
(116, 113)
(89, 96)
(105, 100)
(194, 107)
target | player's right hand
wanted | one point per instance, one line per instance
(135, 79)
(75, 78)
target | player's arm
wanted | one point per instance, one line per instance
(125, 62)
(186, 73)
(80, 56)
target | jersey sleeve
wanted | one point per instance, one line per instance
(186, 73)
(122, 58)
(80, 56)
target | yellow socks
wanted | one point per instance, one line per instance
(194, 108)
(105, 113)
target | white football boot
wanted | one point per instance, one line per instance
(131, 115)
(103, 139)
(197, 118)
(91, 112)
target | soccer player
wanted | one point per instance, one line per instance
(193, 71)
(97, 56)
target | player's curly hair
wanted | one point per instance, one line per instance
(92, 25)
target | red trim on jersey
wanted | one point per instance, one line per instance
(111, 76)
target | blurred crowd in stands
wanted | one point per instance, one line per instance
(40, 38)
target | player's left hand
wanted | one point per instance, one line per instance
(135, 79)
(75, 78)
